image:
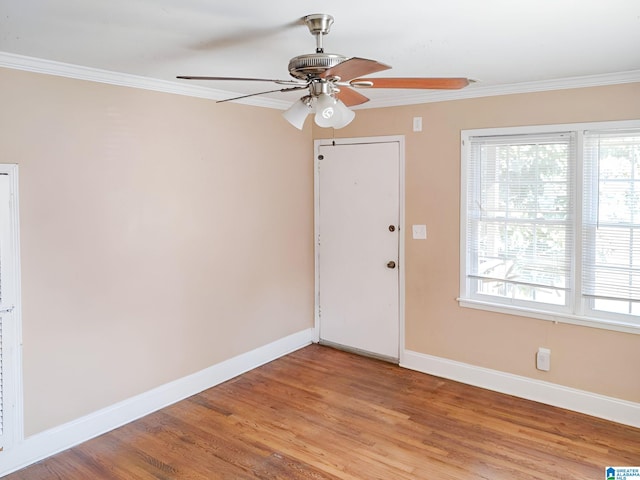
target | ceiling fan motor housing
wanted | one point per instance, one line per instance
(305, 67)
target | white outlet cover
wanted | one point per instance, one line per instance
(419, 232)
(543, 359)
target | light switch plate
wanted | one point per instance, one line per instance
(417, 124)
(419, 232)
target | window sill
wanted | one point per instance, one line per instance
(553, 317)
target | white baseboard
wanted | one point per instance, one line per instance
(609, 408)
(50, 442)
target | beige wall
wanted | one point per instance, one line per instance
(590, 359)
(160, 235)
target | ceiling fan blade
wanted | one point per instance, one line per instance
(354, 67)
(350, 97)
(243, 79)
(301, 87)
(419, 83)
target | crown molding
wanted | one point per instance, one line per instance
(477, 90)
(60, 69)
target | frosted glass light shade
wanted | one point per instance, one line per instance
(297, 113)
(343, 115)
(325, 110)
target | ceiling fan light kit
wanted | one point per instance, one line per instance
(329, 112)
(323, 75)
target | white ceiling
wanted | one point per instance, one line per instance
(499, 43)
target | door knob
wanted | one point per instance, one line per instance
(391, 264)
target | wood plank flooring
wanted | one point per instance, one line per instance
(321, 413)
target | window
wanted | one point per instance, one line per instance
(550, 222)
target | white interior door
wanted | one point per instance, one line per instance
(358, 216)
(10, 428)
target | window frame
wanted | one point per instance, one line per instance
(578, 309)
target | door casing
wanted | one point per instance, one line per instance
(13, 425)
(400, 140)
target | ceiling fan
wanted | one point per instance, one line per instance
(332, 81)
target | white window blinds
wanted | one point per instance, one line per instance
(611, 224)
(520, 217)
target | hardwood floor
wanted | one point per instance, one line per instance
(321, 413)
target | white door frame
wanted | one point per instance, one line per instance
(13, 431)
(402, 228)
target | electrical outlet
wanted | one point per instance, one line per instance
(543, 359)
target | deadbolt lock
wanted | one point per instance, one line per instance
(392, 228)
(391, 264)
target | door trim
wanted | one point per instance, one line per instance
(13, 420)
(400, 140)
